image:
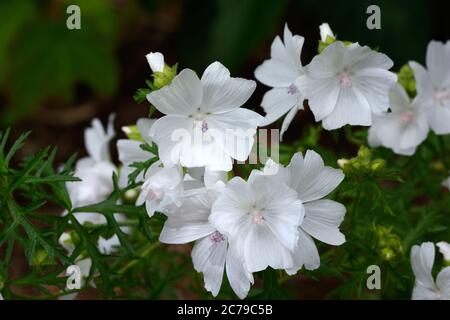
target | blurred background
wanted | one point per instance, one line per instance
(54, 80)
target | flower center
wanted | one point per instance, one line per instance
(345, 80)
(257, 217)
(442, 95)
(292, 89)
(407, 117)
(216, 237)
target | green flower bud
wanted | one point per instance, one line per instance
(378, 165)
(161, 79)
(132, 132)
(407, 80)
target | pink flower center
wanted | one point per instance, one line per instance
(292, 89)
(407, 117)
(216, 237)
(257, 217)
(345, 80)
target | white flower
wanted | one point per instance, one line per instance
(95, 171)
(204, 125)
(261, 217)
(156, 61)
(212, 253)
(312, 181)
(433, 85)
(280, 73)
(444, 248)
(403, 129)
(346, 84)
(130, 152)
(325, 31)
(422, 259)
(446, 183)
(162, 186)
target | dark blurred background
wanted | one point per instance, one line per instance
(54, 80)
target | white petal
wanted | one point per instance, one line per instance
(108, 246)
(351, 108)
(362, 57)
(422, 259)
(144, 126)
(438, 63)
(208, 257)
(443, 283)
(235, 131)
(182, 96)
(444, 248)
(375, 84)
(262, 249)
(284, 66)
(156, 61)
(276, 102)
(424, 85)
(287, 121)
(325, 31)
(171, 133)
(221, 93)
(311, 178)
(188, 221)
(322, 94)
(97, 139)
(305, 254)
(239, 278)
(322, 221)
(439, 119)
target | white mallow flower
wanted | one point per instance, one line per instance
(404, 128)
(261, 218)
(95, 171)
(280, 73)
(162, 186)
(425, 288)
(156, 61)
(204, 124)
(346, 84)
(130, 152)
(312, 181)
(212, 253)
(444, 248)
(433, 85)
(325, 31)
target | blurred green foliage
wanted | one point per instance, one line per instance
(41, 59)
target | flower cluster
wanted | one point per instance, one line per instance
(181, 164)
(409, 122)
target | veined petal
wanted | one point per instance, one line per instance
(239, 278)
(422, 259)
(438, 63)
(222, 93)
(183, 96)
(443, 283)
(277, 102)
(311, 178)
(322, 221)
(305, 254)
(208, 256)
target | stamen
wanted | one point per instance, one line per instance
(292, 89)
(345, 80)
(407, 117)
(216, 237)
